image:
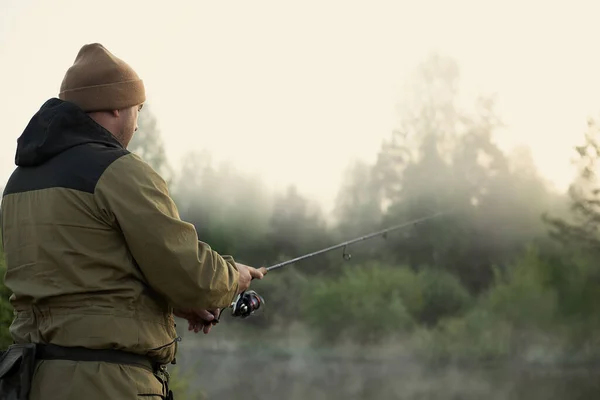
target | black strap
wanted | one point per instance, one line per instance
(54, 352)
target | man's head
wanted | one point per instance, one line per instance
(106, 88)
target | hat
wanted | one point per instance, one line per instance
(99, 81)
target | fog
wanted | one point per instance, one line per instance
(286, 128)
(300, 374)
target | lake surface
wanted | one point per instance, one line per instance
(258, 374)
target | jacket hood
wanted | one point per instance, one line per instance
(56, 127)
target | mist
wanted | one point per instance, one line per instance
(485, 301)
(301, 128)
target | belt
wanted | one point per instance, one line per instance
(54, 352)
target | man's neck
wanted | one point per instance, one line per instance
(107, 122)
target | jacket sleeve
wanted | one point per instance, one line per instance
(186, 271)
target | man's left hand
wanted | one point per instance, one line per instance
(199, 319)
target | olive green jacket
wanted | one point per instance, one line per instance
(96, 253)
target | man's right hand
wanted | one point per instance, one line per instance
(248, 273)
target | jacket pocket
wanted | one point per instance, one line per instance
(17, 366)
(147, 384)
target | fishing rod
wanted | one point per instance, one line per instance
(246, 303)
(345, 244)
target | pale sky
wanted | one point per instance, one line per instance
(293, 91)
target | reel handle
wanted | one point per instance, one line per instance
(246, 303)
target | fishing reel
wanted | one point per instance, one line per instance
(246, 304)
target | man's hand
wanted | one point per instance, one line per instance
(200, 319)
(205, 319)
(247, 274)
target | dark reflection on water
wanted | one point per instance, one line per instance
(228, 375)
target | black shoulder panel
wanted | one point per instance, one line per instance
(77, 168)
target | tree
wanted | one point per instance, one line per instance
(148, 144)
(443, 157)
(230, 210)
(575, 274)
(448, 163)
(581, 227)
(296, 226)
(359, 203)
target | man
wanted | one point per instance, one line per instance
(98, 260)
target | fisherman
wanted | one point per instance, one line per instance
(98, 259)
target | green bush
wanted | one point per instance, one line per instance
(552, 296)
(371, 302)
(476, 337)
(507, 321)
(365, 304)
(540, 309)
(574, 277)
(442, 296)
(282, 293)
(522, 295)
(179, 383)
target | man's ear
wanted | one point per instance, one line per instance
(115, 113)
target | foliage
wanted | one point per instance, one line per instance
(148, 144)
(478, 337)
(364, 304)
(368, 302)
(179, 384)
(443, 158)
(6, 311)
(581, 228)
(538, 310)
(576, 277)
(295, 225)
(282, 294)
(442, 295)
(230, 210)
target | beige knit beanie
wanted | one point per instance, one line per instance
(99, 81)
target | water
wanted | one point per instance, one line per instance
(258, 374)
